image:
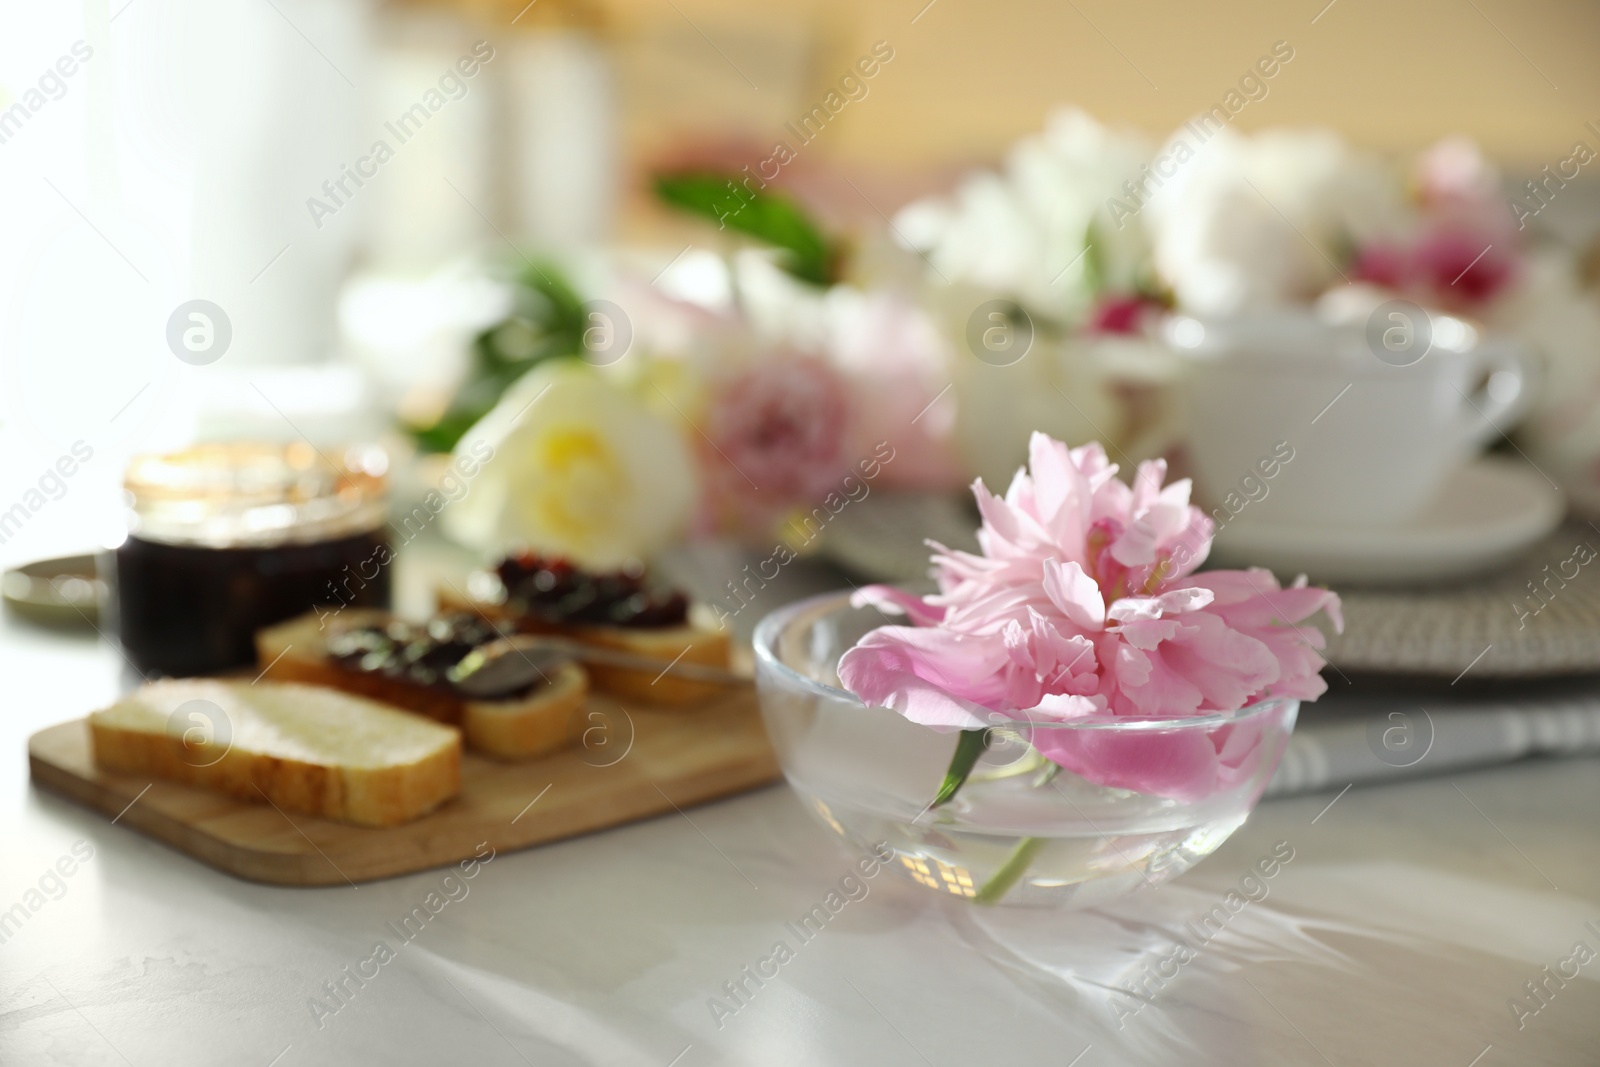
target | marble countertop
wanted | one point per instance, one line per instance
(1408, 928)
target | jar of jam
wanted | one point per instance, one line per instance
(224, 539)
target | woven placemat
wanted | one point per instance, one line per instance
(1498, 626)
(1538, 616)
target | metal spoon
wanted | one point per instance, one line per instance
(518, 661)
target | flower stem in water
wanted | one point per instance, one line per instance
(969, 746)
(1015, 866)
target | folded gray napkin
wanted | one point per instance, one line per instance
(1341, 740)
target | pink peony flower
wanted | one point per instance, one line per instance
(778, 435)
(1084, 602)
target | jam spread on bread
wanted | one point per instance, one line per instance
(417, 653)
(556, 591)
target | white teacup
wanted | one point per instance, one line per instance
(1293, 421)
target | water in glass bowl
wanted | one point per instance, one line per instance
(1021, 830)
(1024, 832)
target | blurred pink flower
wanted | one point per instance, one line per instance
(1454, 172)
(1465, 267)
(1453, 263)
(778, 435)
(1123, 314)
(1463, 252)
(1384, 263)
(1083, 602)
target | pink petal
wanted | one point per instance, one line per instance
(926, 674)
(1148, 634)
(898, 602)
(1060, 707)
(1147, 483)
(1074, 594)
(1181, 764)
(1131, 608)
(1056, 480)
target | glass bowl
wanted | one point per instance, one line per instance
(1119, 803)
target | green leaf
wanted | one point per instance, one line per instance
(969, 746)
(547, 319)
(564, 306)
(768, 217)
(443, 435)
(546, 322)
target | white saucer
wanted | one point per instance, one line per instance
(1486, 514)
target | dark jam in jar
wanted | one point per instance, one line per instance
(416, 653)
(555, 591)
(227, 539)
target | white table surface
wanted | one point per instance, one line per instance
(1409, 918)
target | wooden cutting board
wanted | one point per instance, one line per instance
(634, 763)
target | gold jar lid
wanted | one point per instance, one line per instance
(255, 494)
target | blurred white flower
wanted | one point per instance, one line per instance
(776, 307)
(897, 364)
(1058, 387)
(576, 466)
(1038, 233)
(1027, 232)
(1268, 219)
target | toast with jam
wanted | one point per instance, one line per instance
(383, 657)
(627, 610)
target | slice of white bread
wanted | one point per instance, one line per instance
(691, 643)
(305, 749)
(546, 719)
